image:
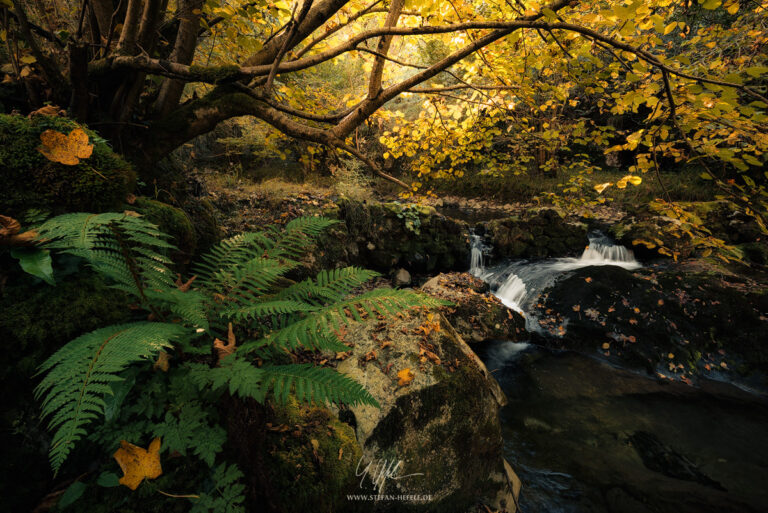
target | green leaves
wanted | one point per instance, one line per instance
(78, 377)
(36, 262)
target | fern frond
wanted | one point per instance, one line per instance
(126, 250)
(296, 236)
(315, 330)
(327, 285)
(307, 382)
(78, 376)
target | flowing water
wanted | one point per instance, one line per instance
(520, 283)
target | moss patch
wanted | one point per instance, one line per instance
(97, 184)
(312, 464)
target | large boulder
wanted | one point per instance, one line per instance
(31, 181)
(438, 418)
(474, 312)
(541, 233)
(683, 321)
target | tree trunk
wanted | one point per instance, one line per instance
(183, 53)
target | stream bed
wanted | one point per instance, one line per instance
(586, 435)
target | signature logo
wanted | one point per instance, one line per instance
(379, 471)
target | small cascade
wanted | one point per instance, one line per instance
(478, 250)
(519, 284)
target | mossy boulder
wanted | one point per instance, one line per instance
(541, 233)
(438, 417)
(312, 457)
(387, 236)
(172, 221)
(98, 183)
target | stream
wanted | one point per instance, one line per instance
(586, 435)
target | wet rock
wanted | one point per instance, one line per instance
(476, 314)
(442, 423)
(680, 321)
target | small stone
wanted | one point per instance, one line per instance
(402, 278)
(371, 246)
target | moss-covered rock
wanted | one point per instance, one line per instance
(97, 184)
(536, 234)
(386, 236)
(173, 221)
(442, 425)
(311, 460)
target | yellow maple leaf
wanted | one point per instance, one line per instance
(404, 377)
(138, 463)
(65, 149)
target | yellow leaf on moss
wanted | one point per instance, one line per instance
(404, 377)
(138, 463)
(65, 149)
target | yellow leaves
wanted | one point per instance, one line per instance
(601, 187)
(404, 377)
(138, 463)
(65, 149)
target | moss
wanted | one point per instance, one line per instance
(311, 466)
(97, 184)
(216, 74)
(202, 213)
(36, 320)
(174, 222)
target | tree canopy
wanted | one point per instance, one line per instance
(499, 83)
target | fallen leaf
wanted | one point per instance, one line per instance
(588, 279)
(227, 349)
(184, 286)
(606, 345)
(163, 362)
(405, 377)
(671, 355)
(138, 463)
(65, 149)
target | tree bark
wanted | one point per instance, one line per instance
(102, 10)
(183, 53)
(126, 45)
(377, 72)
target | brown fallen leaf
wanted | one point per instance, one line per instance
(138, 463)
(227, 349)
(184, 286)
(163, 362)
(404, 377)
(65, 149)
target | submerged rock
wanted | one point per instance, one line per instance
(607, 440)
(438, 418)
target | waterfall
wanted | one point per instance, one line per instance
(519, 284)
(478, 249)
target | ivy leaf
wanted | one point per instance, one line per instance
(36, 262)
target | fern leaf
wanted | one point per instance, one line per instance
(78, 376)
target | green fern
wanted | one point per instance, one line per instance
(79, 375)
(306, 381)
(240, 280)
